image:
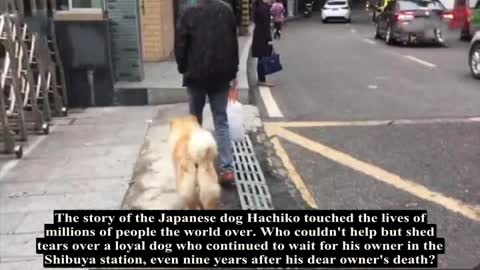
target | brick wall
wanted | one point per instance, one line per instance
(158, 29)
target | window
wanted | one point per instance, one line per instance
(336, 3)
(414, 5)
(449, 4)
(81, 5)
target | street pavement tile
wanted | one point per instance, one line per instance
(92, 200)
(10, 221)
(14, 204)
(70, 152)
(34, 169)
(34, 222)
(24, 264)
(18, 245)
(95, 168)
(86, 185)
(13, 188)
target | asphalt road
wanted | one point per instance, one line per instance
(338, 74)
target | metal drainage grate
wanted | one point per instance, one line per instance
(251, 185)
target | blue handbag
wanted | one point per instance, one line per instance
(271, 64)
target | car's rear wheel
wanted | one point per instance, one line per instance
(439, 38)
(475, 60)
(389, 36)
(377, 31)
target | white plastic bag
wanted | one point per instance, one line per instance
(235, 116)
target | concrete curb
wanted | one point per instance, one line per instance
(284, 194)
(152, 186)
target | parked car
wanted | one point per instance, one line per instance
(474, 56)
(409, 21)
(336, 9)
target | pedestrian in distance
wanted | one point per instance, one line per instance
(206, 51)
(278, 14)
(262, 37)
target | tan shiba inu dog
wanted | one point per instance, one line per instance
(194, 153)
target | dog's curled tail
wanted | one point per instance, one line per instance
(202, 146)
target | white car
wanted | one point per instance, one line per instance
(336, 9)
(474, 56)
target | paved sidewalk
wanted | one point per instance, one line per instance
(85, 163)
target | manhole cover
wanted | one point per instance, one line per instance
(251, 185)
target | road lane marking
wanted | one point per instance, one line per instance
(369, 41)
(294, 175)
(420, 61)
(393, 53)
(409, 186)
(14, 162)
(270, 104)
(376, 123)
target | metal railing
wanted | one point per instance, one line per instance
(30, 92)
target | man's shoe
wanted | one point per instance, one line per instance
(266, 84)
(227, 178)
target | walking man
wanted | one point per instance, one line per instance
(206, 50)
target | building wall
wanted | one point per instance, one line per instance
(245, 14)
(157, 29)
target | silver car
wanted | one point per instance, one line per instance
(411, 21)
(474, 59)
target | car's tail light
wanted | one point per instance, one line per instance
(447, 15)
(404, 16)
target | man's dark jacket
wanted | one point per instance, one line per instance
(206, 44)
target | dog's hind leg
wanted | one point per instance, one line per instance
(209, 189)
(186, 185)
